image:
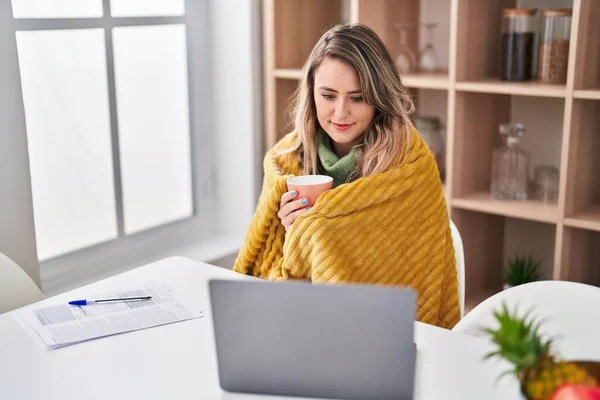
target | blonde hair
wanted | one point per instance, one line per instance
(387, 135)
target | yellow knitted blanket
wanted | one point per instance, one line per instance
(391, 228)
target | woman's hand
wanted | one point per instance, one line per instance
(290, 209)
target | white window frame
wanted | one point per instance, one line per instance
(132, 248)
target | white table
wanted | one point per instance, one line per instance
(178, 361)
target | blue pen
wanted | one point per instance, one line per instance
(86, 302)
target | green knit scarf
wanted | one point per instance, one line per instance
(338, 168)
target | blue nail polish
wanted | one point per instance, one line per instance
(304, 201)
(293, 193)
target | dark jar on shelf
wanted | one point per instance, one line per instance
(518, 37)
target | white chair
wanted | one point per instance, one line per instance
(568, 311)
(16, 287)
(459, 254)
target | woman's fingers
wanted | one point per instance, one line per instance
(293, 206)
(287, 197)
(288, 204)
(289, 220)
(290, 209)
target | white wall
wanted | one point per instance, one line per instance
(17, 238)
(237, 110)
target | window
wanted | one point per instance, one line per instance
(108, 93)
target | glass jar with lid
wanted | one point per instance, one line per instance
(518, 37)
(554, 45)
(546, 179)
(430, 129)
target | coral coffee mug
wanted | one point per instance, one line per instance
(310, 186)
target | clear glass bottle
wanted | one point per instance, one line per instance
(510, 165)
(518, 37)
(430, 129)
(554, 45)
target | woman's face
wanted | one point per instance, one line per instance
(341, 111)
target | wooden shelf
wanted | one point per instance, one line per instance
(438, 80)
(288, 73)
(587, 219)
(495, 85)
(418, 81)
(590, 94)
(528, 210)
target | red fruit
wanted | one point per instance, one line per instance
(577, 392)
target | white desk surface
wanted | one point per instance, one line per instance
(178, 361)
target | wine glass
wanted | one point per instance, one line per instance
(428, 59)
(406, 60)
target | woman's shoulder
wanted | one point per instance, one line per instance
(283, 156)
(286, 142)
(286, 145)
(411, 149)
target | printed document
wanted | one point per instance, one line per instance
(63, 324)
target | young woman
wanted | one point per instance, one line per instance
(385, 222)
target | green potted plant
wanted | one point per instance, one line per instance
(521, 270)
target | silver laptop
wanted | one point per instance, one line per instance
(328, 341)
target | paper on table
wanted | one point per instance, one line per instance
(61, 324)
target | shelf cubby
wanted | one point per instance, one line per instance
(303, 23)
(478, 116)
(496, 240)
(483, 256)
(582, 200)
(587, 59)
(580, 256)
(285, 88)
